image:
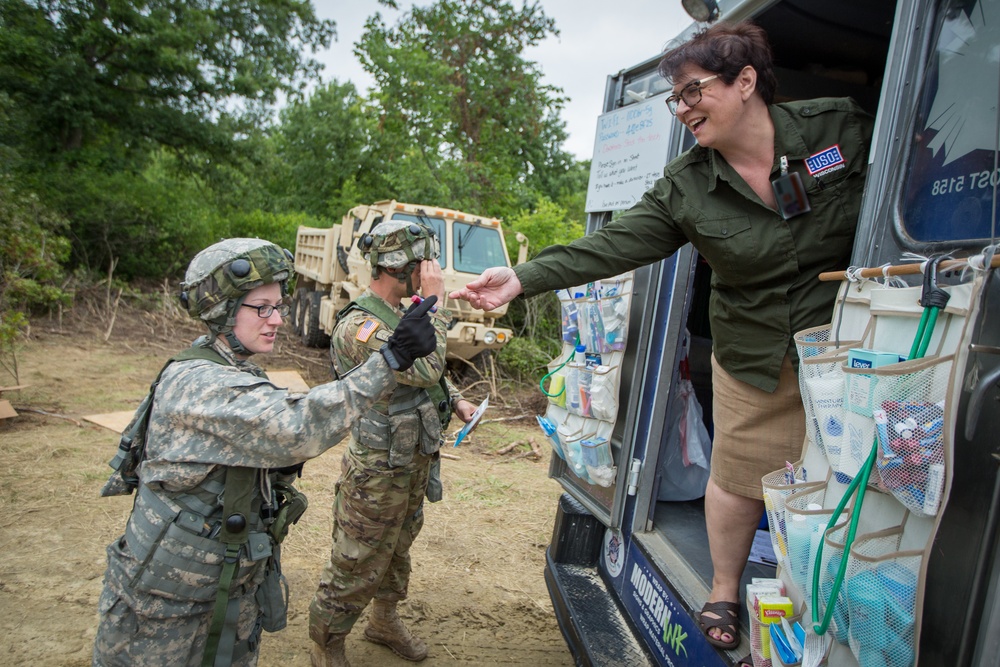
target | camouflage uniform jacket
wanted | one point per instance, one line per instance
(205, 417)
(408, 417)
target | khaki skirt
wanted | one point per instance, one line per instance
(756, 431)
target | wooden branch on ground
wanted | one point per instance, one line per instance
(47, 414)
(299, 356)
(511, 447)
(445, 455)
(534, 453)
(502, 419)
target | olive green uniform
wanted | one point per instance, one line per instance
(764, 268)
(378, 509)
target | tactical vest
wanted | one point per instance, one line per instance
(416, 415)
(191, 550)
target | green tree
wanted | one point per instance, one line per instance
(177, 73)
(464, 118)
(119, 110)
(31, 253)
(323, 145)
(536, 321)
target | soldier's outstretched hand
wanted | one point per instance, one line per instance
(492, 289)
(413, 338)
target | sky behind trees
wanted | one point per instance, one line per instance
(598, 38)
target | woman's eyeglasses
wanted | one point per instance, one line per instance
(691, 94)
(265, 311)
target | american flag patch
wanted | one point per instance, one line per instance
(827, 159)
(366, 330)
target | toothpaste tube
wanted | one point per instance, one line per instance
(416, 298)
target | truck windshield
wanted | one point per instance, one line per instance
(437, 224)
(950, 192)
(477, 248)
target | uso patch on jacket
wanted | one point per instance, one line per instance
(827, 160)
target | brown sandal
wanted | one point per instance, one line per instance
(726, 617)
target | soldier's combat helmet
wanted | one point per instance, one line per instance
(396, 244)
(220, 276)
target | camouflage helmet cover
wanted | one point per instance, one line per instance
(222, 273)
(395, 243)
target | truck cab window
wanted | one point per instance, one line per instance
(476, 252)
(950, 188)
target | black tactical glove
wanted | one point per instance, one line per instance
(413, 338)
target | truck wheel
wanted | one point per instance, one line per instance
(312, 335)
(293, 312)
(299, 307)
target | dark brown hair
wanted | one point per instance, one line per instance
(725, 49)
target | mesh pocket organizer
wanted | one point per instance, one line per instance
(805, 523)
(556, 390)
(833, 550)
(571, 434)
(780, 488)
(909, 421)
(599, 392)
(583, 381)
(821, 383)
(761, 650)
(881, 589)
(570, 308)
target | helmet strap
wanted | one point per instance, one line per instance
(226, 329)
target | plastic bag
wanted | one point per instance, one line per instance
(685, 468)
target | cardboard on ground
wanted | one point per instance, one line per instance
(117, 421)
(6, 409)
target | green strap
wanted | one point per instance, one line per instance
(222, 602)
(134, 434)
(380, 309)
(236, 502)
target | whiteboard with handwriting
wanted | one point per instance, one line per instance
(630, 151)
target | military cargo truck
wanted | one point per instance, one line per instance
(330, 270)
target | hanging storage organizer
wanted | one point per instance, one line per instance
(881, 594)
(583, 381)
(885, 429)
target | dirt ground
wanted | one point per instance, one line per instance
(477, 594)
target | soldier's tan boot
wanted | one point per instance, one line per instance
(330, 654)
(385, 627)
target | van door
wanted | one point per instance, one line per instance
(636, 137)
(936, 174)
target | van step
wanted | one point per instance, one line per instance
(593, 625)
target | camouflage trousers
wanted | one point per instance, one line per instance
(127, 639)
(377, 514)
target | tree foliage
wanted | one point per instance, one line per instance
(31, 256)
(99, 91)
(135, 132)
(118, 77)
(323, 147)
(464, 117)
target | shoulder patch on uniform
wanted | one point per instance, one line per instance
(828, 159)
(382, 335)
(366, 329)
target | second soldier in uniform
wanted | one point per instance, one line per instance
(393, 460)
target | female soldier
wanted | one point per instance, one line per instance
(212, 452)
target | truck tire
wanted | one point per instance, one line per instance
(293, 313)
(312, 334)
(298, 299)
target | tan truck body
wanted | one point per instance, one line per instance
(331, 271)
